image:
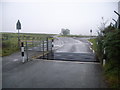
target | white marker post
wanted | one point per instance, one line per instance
(22, 52)
(104, 61)
(52, 43)
(52, 48)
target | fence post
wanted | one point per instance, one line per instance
(52, 43)
(32, 41)
(22, 52)
(47, 44)
(47, 49)
(37, 41)
(104, 61)
(34, 44)
(43, 49)
(52, 54)
(40, 44)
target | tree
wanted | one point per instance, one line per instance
(65, 31)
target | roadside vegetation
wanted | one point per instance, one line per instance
(94, 46)
(10, 41)
(107, 46)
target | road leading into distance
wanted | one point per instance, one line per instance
(73, 49)
(72, 45)
(55, 73)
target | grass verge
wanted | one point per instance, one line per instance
(111, 70)
(94, 46)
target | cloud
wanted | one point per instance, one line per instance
(59, 0)
(52, 16)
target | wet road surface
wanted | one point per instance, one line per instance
(54, 73)
(74, 49)
(73, 45)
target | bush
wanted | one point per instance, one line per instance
(112, 45)
(109, 39)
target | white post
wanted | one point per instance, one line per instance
(103, 62)
(104, 58)
(22, 52)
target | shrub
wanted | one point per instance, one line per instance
(110, 40)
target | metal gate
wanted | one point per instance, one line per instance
(41, 48)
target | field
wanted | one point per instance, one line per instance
(9, 41)
(76, 36)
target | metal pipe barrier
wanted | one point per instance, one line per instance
(37, 48)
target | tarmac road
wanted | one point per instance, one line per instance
(73, 45)
(74, 49)
(54, 73)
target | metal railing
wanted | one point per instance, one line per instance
(34, 49)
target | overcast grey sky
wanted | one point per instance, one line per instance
(47, 16)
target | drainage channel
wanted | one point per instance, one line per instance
(64, 56)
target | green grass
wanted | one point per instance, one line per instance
(9, 46)
(10, 41)
(111, 74)
(94, 46)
